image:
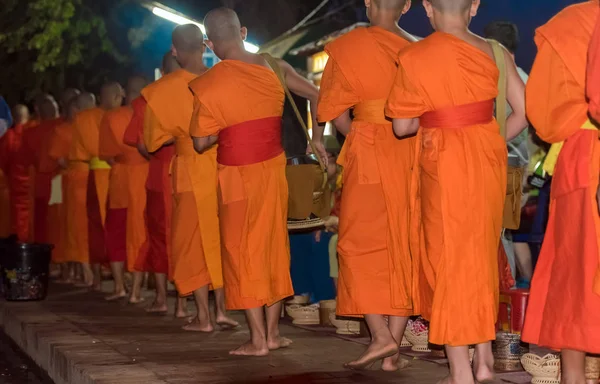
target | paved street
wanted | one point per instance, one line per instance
(16, 368)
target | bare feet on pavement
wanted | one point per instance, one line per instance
(250, 349)
(278, 342)
(195, 325)
(227, 323)
(374, 353)
(158, 308)
(116, 296)
(394, 363)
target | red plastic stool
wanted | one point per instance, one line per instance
(511, 313)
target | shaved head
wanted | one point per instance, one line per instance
(111, 95)
(395, 5)
(84, 101)
(222, 24)
(68, 95)
(451, 6)
(188, 38)
(169, 63)
(134, 87)
(20, 114)
(48, 109)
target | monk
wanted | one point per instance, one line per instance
(84, 148)
(563, 311)
(16, 174)
(196, 245)
(34, 153)
(155, 255)
(375, 262)
(239, 103)
(445, 90)
(125, 228)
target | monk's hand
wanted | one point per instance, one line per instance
(321, 152)
(332, 223)
(62, 163)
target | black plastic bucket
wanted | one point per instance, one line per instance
(25, 271)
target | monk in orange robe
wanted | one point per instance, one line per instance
(196, 247)
(125, 227)
(34, 153)
(375, 262)
(155, 255)
(16, 174)
(446, 85)
(239, 103)
(74, 219)
(85, 148)
(564, 306)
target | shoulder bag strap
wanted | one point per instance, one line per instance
(501, 105)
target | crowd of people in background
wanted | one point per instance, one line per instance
(184, 180)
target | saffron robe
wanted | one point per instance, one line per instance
(196, 245)
(563, 311)
(128, 179)
(252, 198)
(85, 148)
(375, 268)
(457, 207)
(75, 225)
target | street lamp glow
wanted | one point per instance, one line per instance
(180, 20)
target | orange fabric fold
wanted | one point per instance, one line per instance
(375, 266)
(593, 73)
(457, 203)
(196, 246)
(568, 265)
(253, 197)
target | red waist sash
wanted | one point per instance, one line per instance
(250, 142)
(459, 116)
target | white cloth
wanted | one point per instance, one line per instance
(56, 194)
(3, 127)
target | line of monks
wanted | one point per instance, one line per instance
(187, 181)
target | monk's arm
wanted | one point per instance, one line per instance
(405, 127)
(515, 94)
(304, 88)
(343, 123)
(201, 144)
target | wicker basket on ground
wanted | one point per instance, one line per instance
(303, 315)
(326, 308)
(345, 327)
(545, 370)
(592, 368)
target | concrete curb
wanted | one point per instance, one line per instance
(65, 352)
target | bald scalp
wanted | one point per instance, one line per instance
(222, 24)
(451, 6)
(67, 95)
(48, 109)
(20, 113)
(188, 38)
(84, 101)
(111, 95)
(169, 63)
(395, 5)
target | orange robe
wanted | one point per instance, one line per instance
(457, 208)
(375, 274)
(75, 178)
(85, 148)
(253, 198)
(5, 227)
(196, 246)
(155, 254)
(19, 181)
(35, 154)
(128, 179)
(593, 73)
(564, 306)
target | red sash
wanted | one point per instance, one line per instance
(250, 142)
(459, 116)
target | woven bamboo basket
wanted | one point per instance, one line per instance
(303, 315)
(592, 368)
(405, 343)
(419, 341)
(345, 327)
(508, 351)
(545, 370)
(326, 308)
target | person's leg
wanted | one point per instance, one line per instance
(274, 338)
(461, 371)
(382, 343)
(257, 346)
(117, 274)
(87, 275)
(524, 260)
(160, 301)
(483, 362)
(201, 322)
(397, 326)
(572, 367)
(97, 280)
(136, 288)
(222, 320)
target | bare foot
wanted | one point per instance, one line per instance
(182, 314)
(483, 371)
(451, 380)
(375, 352)
(227, 323)
(157, 309)
(278, 343)
(136, 300)
(116, 296)
(250, 349)
(96, 287)
(83, 284)
(394, 363)
(195, 325)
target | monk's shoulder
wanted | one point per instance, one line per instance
(561, 25)
(168, 82)
(421, 49)
(348, 41)
(202, 83)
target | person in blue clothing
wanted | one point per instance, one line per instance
(5, 116)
